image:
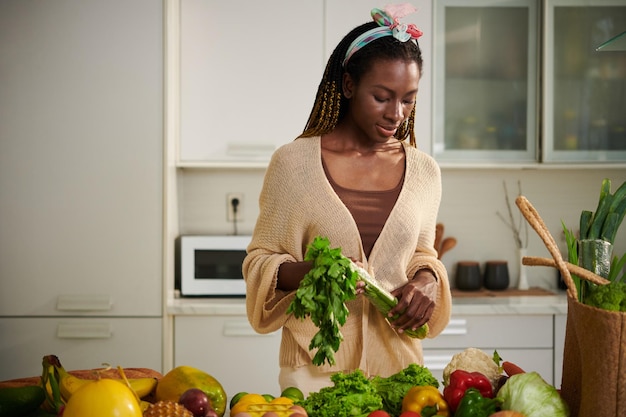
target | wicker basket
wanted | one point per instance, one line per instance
(594, 356)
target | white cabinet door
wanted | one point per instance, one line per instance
(229, 349)
(560, 322)
(249, 73)
(81, 116)
(84, 343)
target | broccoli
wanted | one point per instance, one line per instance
(611, 297)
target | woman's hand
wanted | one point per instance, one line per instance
(416, 301)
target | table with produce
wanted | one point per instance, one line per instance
(476, 383)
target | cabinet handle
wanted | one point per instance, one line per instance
(84, 302)
(84, 330)
(437, 362)
(241, 328)
(455, 327)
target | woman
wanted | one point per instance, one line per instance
(351, 177)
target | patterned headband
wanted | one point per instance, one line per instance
(388, 25)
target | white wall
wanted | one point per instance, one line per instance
(471, 198)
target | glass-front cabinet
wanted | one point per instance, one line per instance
(585, 88)
(485, 77)
(521, 81)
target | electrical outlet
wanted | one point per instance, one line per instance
(234, 200)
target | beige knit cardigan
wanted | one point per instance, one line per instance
(297, 203)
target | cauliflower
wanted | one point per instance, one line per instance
(473, 360)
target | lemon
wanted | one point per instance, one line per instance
(171, 386)
(102, 398)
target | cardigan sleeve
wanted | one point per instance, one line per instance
(265, 304)
(425, 256)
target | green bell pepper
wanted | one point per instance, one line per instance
(473, 404)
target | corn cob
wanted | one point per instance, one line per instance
(384, 301)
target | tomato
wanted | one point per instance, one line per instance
(409, 414)
(378, 413)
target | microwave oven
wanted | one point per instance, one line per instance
(210, 266)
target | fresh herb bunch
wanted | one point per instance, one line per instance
(322, 296)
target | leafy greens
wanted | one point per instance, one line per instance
(322, 296)
(355, 395)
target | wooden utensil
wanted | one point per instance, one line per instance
(447, 244)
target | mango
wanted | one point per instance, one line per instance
(171, 386)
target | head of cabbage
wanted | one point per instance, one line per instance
(530, 395)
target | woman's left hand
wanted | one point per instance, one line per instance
(416, 301)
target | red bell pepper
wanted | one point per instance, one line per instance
(460, 381)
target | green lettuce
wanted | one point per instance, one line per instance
(530, 395)
(352, 395)
(393, 388)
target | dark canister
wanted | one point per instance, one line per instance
(496, 275)
(468, 276)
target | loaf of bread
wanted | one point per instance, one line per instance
(112, 373)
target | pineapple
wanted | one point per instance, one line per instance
(166, 409)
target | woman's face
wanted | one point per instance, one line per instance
(383, 99)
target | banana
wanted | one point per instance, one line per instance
(69, 384)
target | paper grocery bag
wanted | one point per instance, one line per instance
(594, 361)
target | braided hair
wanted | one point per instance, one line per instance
(331, 105)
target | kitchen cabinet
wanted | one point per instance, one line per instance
(242, 96)
(231, 351)
(81, 189)
(249, 74)
(485, 80)
(585, 90)
(497, 99)
(560, 322)
(80, 343)
(526, 340)
(214, 335)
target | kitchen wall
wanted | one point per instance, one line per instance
(471, 199)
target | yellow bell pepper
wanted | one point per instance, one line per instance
(426, 401)
(256, 406)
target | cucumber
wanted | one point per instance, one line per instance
(384, 301)
(20, 401)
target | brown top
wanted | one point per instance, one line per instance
(369, 209)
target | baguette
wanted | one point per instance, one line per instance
(574, 269)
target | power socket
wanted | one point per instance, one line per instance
(234, 200)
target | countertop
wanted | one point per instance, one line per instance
(483, 303)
